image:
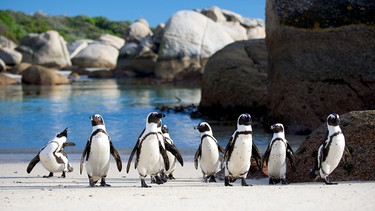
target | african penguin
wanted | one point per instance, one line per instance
(53, 157)
(330, 151)
(239, 151)
(97, 152)
(170, 146)
(275, 156)
(208, 153)
(150, 151)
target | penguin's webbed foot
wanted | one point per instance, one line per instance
(63, 175)
(226, 182)
(158, 180)
(163, 177)
(271, 181)
(284, 182)
(212, 178)
(103, 183)
(91, 182)
(243, 182)
(171, 177)
(143, 184)
(313, 174)
(70, 167)
(48, 176)
(329, 182)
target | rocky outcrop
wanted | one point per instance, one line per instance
(97, 55)
(7, 43)
(39, 75)
(189, 37)
(321, 60)
(10, 56)
(358, 128)
(47, 49)
(235, 79)
(5, 80)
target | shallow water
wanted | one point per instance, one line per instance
(32, 115)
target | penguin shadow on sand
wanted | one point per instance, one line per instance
(53, 156)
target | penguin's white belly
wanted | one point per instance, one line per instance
(335, 153)
(209, 161)
(277, 160)
(48, 159)
(149, 159)
(99, 158)
(239, 161)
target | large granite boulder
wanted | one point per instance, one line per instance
(138, 30)
(189, 37)
(47, 49)
(97, 55)
(235, 79)
(358, 128)
(39, 75)
(321, 60)
(7, 43)
(112, 40)
(10, 56)
(2, 65)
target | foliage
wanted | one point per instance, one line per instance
(15, 25)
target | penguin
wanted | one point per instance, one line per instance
(150, 151)
(172, 153)
(97, 152)
(239, 151)
(53, 157)
(275, 156)
(330, 151)
(208, 153)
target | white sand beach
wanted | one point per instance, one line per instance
(22, 191)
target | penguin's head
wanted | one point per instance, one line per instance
(155, 117)
(96, 120)
(203, 127)
(277, 128)
(244, 119)
(164, 129)
(63, 134)
(333, 119)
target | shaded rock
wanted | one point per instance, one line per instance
(39, 75)
(10, 56)
(100, 74)
(47, 49)
(358, 128)
(5, 80)
(97, 55)
(214, 13)
(114, 41)
(158, 34)
(319, 63)
(7, 43)
(75, 47)
(189, 37)
(191, 75)
(19, 68)
(235, 79)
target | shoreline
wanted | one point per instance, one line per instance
(20, 190)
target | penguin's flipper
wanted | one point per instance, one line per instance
(221, 149)
(229, 149)
(85, 152)
(135, 149)
(68, 144)
(164, 155)
(256, 155)
(266, 155)
(32, 163)
(116, 156)
(197, 155)
(172, 149)
(289, 155)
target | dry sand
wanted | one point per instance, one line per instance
(22, 191)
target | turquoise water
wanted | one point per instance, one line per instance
(32, 115)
